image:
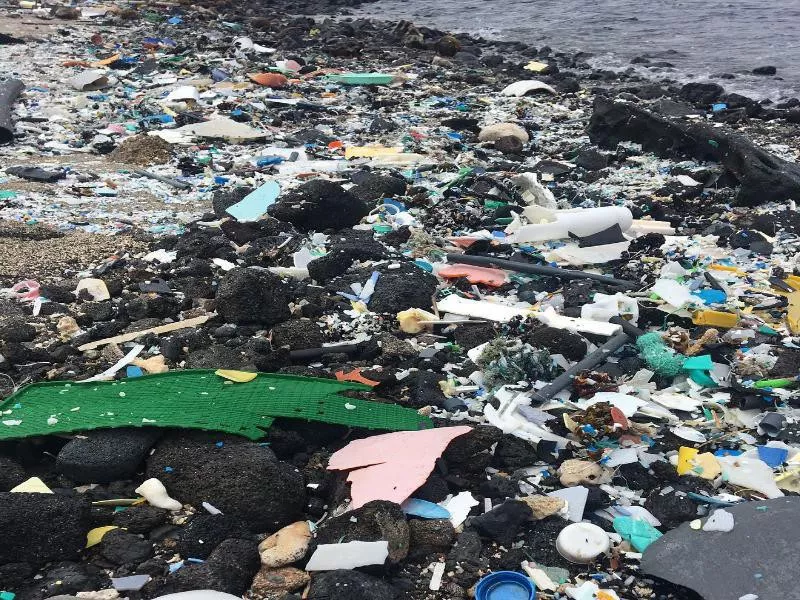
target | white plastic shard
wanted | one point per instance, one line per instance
(330, 557)
(491, 311)
(459, 507)
(627, 404)
(156, 495)
(573, 254)
(533, 192)
(576, 498)
(750, 473)
(436, 576)
(521, 88)
(481, 309)
(114, 369)
(222, 128)
(672, 292)
(199, 595)
(507, 418)
(553, 319)
(581, 222)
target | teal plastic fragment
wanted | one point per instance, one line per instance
(253, 206)
(700, 377)
(702, 362)
(362, 78)
(639, 533)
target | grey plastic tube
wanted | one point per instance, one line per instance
(510, 265)
(589, 362)
(10, 89)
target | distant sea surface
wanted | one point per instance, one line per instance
(701, 39)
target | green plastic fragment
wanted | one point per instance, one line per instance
(493, 204)
(639, 533)
(362, 78)
(195, 399)
(774, 383)
(5, 195)
(7, 595)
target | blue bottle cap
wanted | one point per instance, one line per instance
(505, 585)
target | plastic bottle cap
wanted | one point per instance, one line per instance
(505, 585)
(582, 542)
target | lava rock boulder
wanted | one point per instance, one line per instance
(250, 296)
(105, 455)
(242, 479)
(318, 205)
(39, 528)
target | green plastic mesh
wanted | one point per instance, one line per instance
(195, 399)
(658, 356)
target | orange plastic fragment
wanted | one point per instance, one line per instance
(335, 145)
(356, 377)
(485, 275)
(273, 80)
(107, 61)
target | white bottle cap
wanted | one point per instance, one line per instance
(582, 542)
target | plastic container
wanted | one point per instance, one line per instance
(505, 585)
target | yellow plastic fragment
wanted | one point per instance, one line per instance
(411, 320)
(793, 314)
(370, 151)
(536, 66)
(718, 267)
(95, 536)
(707, 466)
(685, 456)
(715, 318)
(793, 281)
(34, 485)
(237, 376)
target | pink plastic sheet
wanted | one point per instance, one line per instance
(391, 466)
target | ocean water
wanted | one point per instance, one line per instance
(699, 38)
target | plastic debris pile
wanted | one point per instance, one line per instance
(392, 311)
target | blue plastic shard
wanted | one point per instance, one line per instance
(424, 509)
(133, 371)
(253, 206)
(774, 457)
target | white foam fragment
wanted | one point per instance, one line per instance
(720, 520)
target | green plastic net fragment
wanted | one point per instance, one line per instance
(195, 399)
(658, 356)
